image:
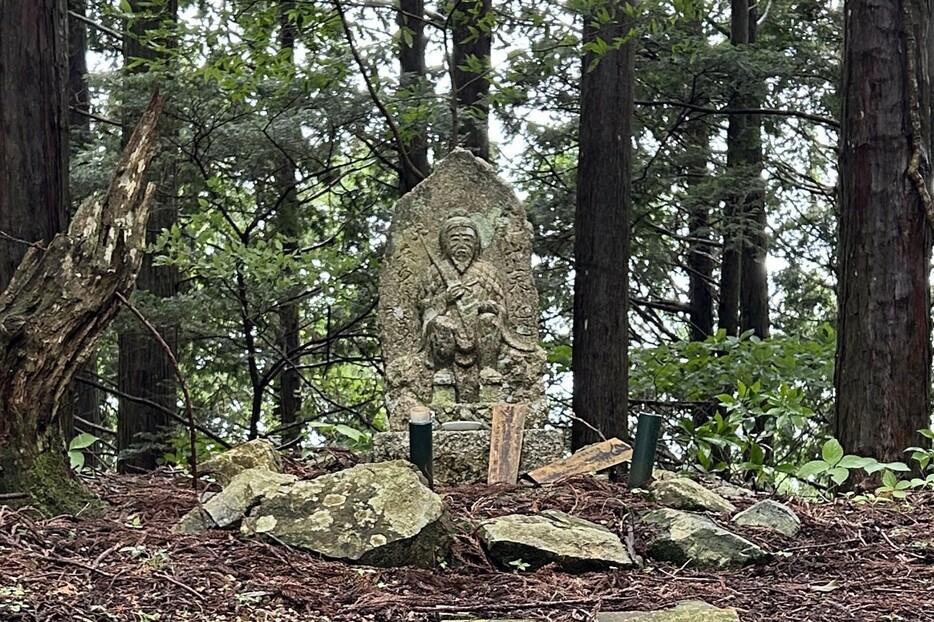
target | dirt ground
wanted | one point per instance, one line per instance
(850, 562)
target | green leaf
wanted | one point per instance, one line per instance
(839, 475)
(855, 462)
(832, 452)
(814, 467)
(76, 459)
(82, 441)
(889, 480)
(901, 467)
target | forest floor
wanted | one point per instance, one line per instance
(850, 562)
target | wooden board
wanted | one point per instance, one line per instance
(589, 459)
(506, 443)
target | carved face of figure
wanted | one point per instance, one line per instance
(461, 244)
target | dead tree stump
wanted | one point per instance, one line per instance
(58, 303)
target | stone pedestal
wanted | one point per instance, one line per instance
(463, 457)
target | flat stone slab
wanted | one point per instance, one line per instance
(463, 457)
(687, 611)
(698, 541)
(769, 514)
(575, 544)
(380, 514)
(682, 493)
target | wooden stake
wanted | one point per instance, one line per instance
(506, 443)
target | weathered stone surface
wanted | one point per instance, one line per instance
(249, 455)
(687, 611)
(380, 514)
(685, 494)
(228, 507)
(698, 540)
(463, 457)
(772, 515)
(458, 310)
(573, 543)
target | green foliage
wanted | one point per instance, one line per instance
(836, 467)
(75, 455)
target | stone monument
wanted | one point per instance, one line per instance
(458, 314)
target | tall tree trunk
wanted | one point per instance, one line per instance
(738, 137)
(289, 222)
(81, 400)
(143, 368)
(883, 371)
(33, 127)
(601, 231)
(754, 282)
(472, 32)
(413, 164)
(52, 317)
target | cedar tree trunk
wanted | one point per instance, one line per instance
(473, 39)
(601, 231)
(413, 164)
(143, 368)
(883, 370)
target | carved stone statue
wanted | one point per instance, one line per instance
(458, 309)
(462, 309)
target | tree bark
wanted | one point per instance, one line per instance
(413, 164)
(143, 368)
(56, 306)
(80, 400)
(472, 31)
(601, 230)
(883, 373)
(289, 221)
(754, 281)
(33, 127)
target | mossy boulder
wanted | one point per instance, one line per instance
(772, 515)
(574, 544)
(258, 453)
(380, 514)
(697, 540)
(682, 493)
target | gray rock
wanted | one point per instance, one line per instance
(699, 541)
(228, 507)
(685, 494)
(462, 457)
(380, 514)
(687, 611)
(770, 515)
(573, 543)
(250, 455)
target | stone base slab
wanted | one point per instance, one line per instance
(463, 457)
(482, 412)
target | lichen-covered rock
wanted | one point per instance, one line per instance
(687, 611)
(682, 493)
(228, 507)
(772, 515)
(462, 457)
(253, 454)
(380, 514)
(575, 544)
(699, 541)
